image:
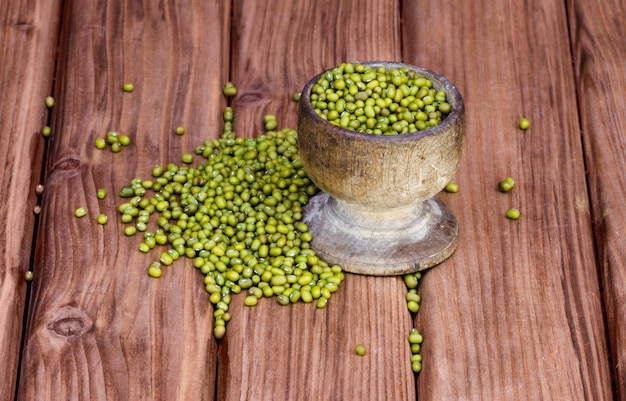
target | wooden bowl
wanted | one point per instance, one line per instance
(377, 213)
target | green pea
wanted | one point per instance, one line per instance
(46, 131)
(180, 130)
(80, 212)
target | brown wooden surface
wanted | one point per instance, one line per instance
(529, 309)
(599, 52)
(28, 35)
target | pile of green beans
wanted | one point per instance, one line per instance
(413, 300)
(113, 139)
(238, 217)
(415, 341)
(378, 101)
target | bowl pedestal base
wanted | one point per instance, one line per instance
(393, 242)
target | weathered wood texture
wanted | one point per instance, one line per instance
(300, 353)
(516, 312)
(28, 35)
(100, 327)
(599, 49)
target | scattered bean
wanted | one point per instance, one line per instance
(360, 349)
(524, 123)
(513, 214)
(452, 187)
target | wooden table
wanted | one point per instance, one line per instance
(533, 309)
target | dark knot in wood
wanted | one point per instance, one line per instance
(67, 166)
(67, 163)
(68, 327)
(70, 322)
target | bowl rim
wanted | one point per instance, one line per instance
(457, 112)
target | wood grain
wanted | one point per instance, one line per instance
(28, 34)
(531, 309)
(100, 327)
(279, 45)
(300, 353)
(599, 49)
(516, 313)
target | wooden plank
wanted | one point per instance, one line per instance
(516, 313)
(100, 327)
(599, 49)
(28, 36)
(298, 352)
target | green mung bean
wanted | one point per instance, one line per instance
(506, 185)
(238, 217)
(128, 87)
(100, 143)
(524, 123)
(513, 214)
(229, 89)
(452, 187)
(357, 97)
(80, 212)
(46, 131)
(49, 102)
(360, 349)
(29, 276)
(102, 219)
